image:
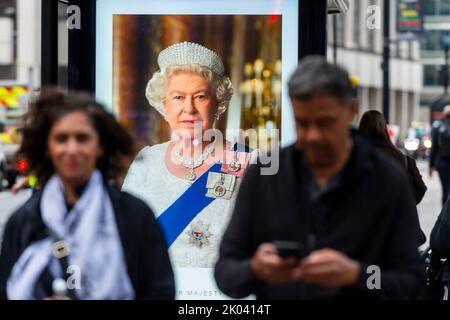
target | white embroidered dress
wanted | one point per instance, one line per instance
(149, 179)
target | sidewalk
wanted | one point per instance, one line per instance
(430, 206)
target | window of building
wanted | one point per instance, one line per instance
(444, 8)
(340, 30)
(8, 42)
(428, 7)
(433, 40)
(356, 22)
(371, 40)
(432, 75)
(436, 7)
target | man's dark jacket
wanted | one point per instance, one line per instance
(437, 161)
(369, 215)
(440, 235)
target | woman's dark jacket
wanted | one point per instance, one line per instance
(143, 242)
(410, 165)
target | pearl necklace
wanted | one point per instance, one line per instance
(191, 164)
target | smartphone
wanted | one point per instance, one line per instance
(290, 249)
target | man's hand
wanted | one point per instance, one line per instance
(268, 266)
(328, 268)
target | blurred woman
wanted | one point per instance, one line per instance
(80, 237)
(374, 126)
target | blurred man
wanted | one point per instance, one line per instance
(337, 221)
(440, 153)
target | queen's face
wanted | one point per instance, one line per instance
(190, 102)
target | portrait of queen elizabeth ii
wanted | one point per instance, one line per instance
(191, 181)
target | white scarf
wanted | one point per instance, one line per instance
(95, 248)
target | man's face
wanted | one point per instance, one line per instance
(322, 124)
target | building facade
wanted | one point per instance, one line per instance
(436, 29)
(20, 42)
(359, 38)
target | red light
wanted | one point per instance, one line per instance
(23, 165)
(273, 19)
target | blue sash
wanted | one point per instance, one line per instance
(176, 218)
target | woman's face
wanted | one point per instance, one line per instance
(74, 147)
(189, 102)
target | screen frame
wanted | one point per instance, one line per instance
(311, 31)
(311, 39)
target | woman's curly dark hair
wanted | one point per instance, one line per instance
(49, 106)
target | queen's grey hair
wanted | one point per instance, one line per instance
(156, 87)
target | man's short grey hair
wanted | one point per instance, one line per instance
(314, 75)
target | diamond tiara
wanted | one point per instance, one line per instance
(185, 53)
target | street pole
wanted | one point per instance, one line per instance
(49, 40)
(81, 69)
(446, 66)
(312, 32)
(386, 58)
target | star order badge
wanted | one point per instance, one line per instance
(199, 234)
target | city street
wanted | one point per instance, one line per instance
(430, 206)
(9, 203)
(428, 209)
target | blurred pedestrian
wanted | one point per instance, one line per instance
(19, 185)
(330, 221)
(373, 126)
(28, 181)
(440, 153)
(440, 255)
(80, 237)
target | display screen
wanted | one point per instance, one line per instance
(257, 42)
